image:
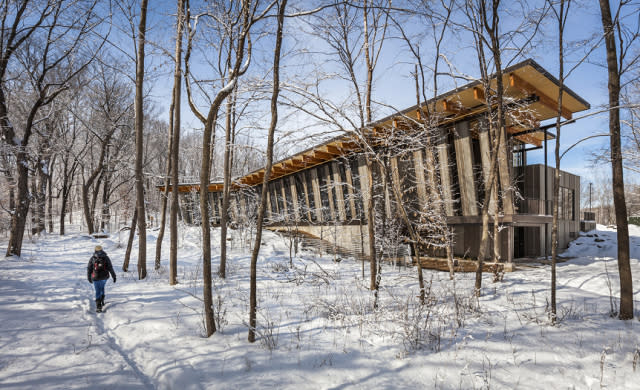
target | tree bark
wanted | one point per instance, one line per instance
(624, 266)
(560, 15)
(253, 301)
(175, 149)
(165, 194)
(371, 216)
(224, 213)
(139, 122)
(132, 235)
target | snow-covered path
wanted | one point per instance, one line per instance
(50, 337)
(317, 327)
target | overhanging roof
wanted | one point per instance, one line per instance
(527, 85)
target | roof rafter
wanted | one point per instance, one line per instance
(516, 82)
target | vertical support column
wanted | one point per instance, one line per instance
(445, 173)
(464, 160)
(283, 193)
(504, 171)
(294, 197)
(269, 211)
(326, 172)
(364, 180)
(307, 194)
(316, 194)
(350, 191)
(337, 186)
(395, 176)
(421, 185)
(387, 193)
(485, 156)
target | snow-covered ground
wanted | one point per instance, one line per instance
(317, 325)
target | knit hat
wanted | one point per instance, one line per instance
(98, 248)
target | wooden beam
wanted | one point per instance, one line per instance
(347, 146)
(277, 171)
(526, 138)
(526, 118)
(517, 82)
(478, 94)
(323, 156)
(464, 163)
(331, 149)
(454, 107)
(311, 159)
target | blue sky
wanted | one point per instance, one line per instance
(394, 84)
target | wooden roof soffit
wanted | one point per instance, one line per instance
(331, 149)
(278, 171)
(347, 146)
(311, 158)
(526, 138)
(478, 94)
(322, 155)
(524, 119)
(453, 107)
(516, 82)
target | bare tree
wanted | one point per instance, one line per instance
(253, 301)
(614, 36)
(139, 122)
(53, 32)
(173, 255)
(240, 17)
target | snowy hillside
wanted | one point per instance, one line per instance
(317, 326)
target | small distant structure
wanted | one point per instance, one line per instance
(320, 192)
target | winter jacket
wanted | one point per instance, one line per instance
(104, 274)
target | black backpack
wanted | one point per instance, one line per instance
(99, 267)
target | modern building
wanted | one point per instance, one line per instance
(321, 191)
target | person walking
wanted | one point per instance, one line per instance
(98, 271)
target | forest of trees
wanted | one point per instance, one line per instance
(101, 102)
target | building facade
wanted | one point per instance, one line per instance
(322, 191)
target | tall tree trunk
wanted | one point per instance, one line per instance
(253, 301)
(40, 196)
(624, 266)
(499, 167)
(50, 197)
(371, 216)
(561, 17)
(19, 217)
(105, 216)
(167, 181)
(139, 122)
(63, 211)
(66, 190)
(175, 149)
(224, 213)
(132, 235)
